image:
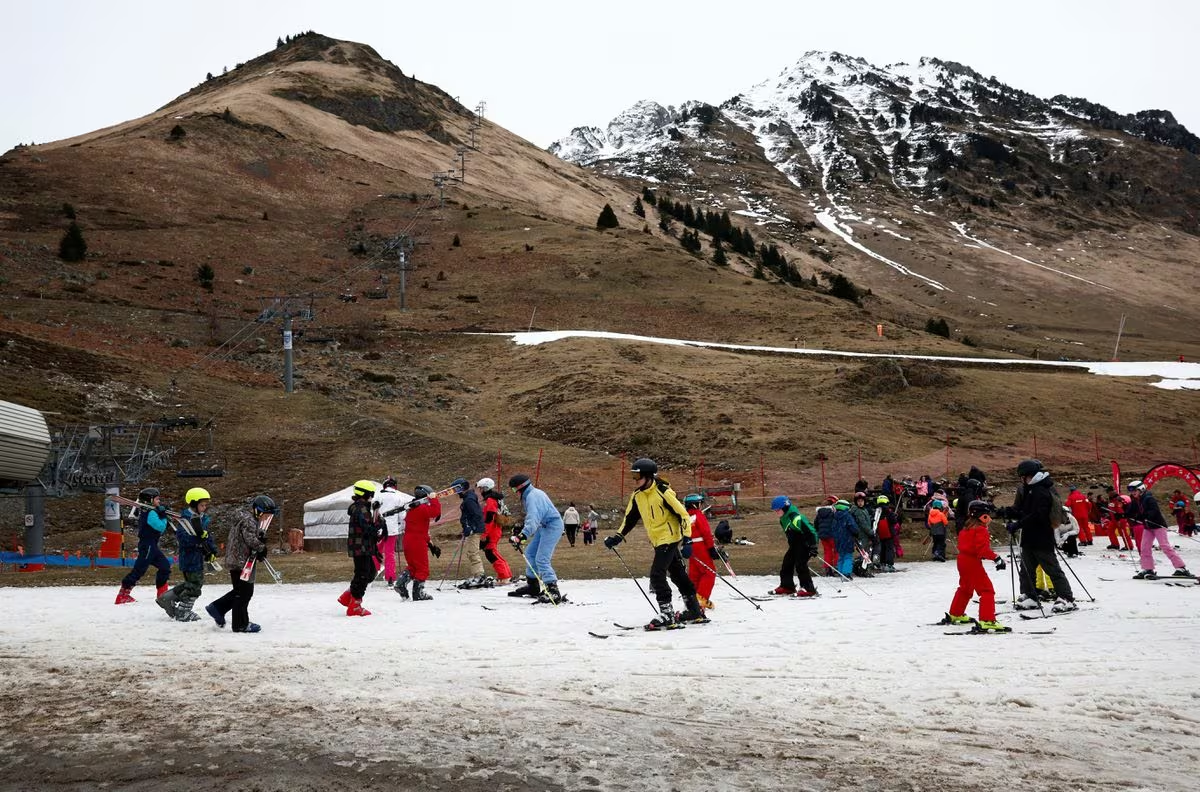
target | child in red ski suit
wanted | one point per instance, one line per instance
(701, 569)
(975, 545)
(416, 544)
(493, 531)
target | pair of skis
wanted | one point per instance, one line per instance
(264, 522)
(625, 628)
(177, 519)
(412, 504)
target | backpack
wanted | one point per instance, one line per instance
(1057, 517)
(503, 517)
(723, 533)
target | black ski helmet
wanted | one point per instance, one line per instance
(389, 483)
(148, 494)
(978, 508)
(263, 504)
(422, 491)
(461, 486)
(518, 482)
(645, 467)
(1029, 467)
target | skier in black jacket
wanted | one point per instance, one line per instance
(1032, 511)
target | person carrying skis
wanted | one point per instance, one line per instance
(542, 529)
(423, 509)
(1154, 529)
(362, 545)
(152, 523)
(887, 525)
(195, 548)
(802, 545)
(493, 530)
(974, 547)
(823, 521)
(845, 531)
(702, 568)
(244, 542)
(862, 518)
(1032, 508)
(669, 527)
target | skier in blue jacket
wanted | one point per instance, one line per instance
(195, 548)
(543, 528)
(152, 523)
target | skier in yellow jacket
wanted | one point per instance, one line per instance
(669, 527)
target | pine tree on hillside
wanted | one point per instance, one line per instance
(649, 196)
(72, 247)
(607, 219)
(719, 254)
(638, 209)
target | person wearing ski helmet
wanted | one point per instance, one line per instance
(845, 532)
(823, 521)
(362, 545)
(669, 527)
(887, 528)
(195, 548)
(422, 510)
(705, 555)
(493, 529)
(802, 543)
(1154, 529)
(470, 517)
(536, 539)
(975, 547)
(1036, 499)
(865, 539)
(937, 521)
(152, 523)
(247, 540)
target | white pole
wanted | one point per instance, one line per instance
(1120, 329)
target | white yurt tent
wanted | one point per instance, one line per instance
(327, 517)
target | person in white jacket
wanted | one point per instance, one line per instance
(571, 522)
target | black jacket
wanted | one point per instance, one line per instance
(1148, 509)
(1034, 506)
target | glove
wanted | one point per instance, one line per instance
(614, 540)
(999, 564)
(516, 540)
(1011, 526)
(261, 555)
(713, 554)
(686, 550)
(437, 551)
(483, 544)
(721, 552)
(383, 532)
(466, 532)
(812, 552)
(160, 509)
(376, 506)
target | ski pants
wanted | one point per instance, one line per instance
(492, 553)
(387, 548)
(190, 587)
(971, 579)
(471, 553)
(939, 546)
(1146, 547)
(237, 599)
(702, 577)
(845, 563)
(669, 561)
(148, 554)
(887, 552)
(364, 573)
(796, 560)
(1047, 559)
(829, 552)
(416, 554)
(538, 553)
(571, 529)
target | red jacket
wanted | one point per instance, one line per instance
(974, 540)
(416, 523)
(701, 534)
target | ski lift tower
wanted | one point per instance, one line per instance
(287, 308)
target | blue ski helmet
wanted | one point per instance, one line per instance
(780, 502)
(693, 499)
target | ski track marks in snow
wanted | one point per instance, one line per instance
(961, 228)
(834, 694)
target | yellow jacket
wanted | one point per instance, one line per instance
(665, 518)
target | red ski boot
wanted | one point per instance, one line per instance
(346, 599)
(124, 597)
(782, 591)
(355, 608)
(162, 589)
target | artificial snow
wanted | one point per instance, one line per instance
(851, 691)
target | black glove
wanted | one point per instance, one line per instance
(376, 506)
(614, 540)
(713, 553)
(812, 551)
(686, 549)
(999, 564)
(1011, 526)
(483, 544)
(383, 532)
(437, 551)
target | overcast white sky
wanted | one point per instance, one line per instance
(72, 66)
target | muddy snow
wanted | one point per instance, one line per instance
(479, 691)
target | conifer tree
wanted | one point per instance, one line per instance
(72, 246)
(638, 209)
(719, 255)
(607, 219)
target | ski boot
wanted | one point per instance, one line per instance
(1146, 574)
(401, 586)
(345, 599)
(124, 597)
(161, 590)
(783, 591)
(707, 604)
(217, 616)
(503, 581)
(488, 582)
(990, 627)
(355, 608)
(950, 618)
(183, 610)
(1026, 603)
(530, 589)
(666, 620)
(253, 628)
(1063, 606)
(418, 593)
(802, 593)
(551, 595)
(692, 612)
(1183, 573)
(167, 603)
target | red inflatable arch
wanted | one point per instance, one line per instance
(1172, 470)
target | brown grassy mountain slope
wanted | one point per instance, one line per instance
(283, 195)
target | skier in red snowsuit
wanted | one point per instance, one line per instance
(1078, 503)
(493, 531)
(701, 569)
(975, 545)
(416, 542)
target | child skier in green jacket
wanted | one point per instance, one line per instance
(802, 545)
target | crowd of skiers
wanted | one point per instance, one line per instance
(852, 538)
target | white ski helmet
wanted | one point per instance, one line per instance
(1196, 498)
(486, 484)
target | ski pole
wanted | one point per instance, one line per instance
(278, 578)
(450, 563)
(1063, 558)
(1027, 575)
(843, 577)
(1012, 569)
(727, 583)
(653, 607)
(542, 589)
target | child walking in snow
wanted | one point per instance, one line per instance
(705, 555)
(974, 546)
